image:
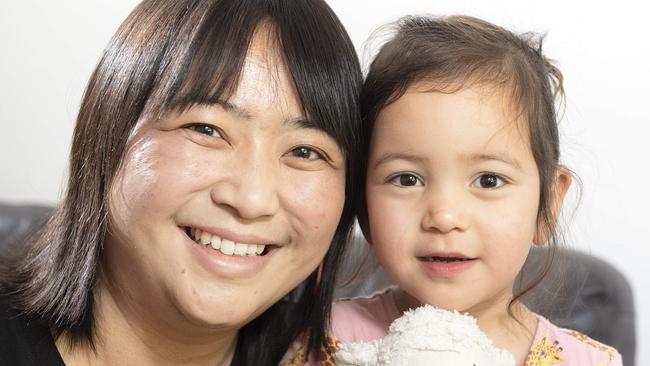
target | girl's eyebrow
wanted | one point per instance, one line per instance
(399, 156)
(493, 157)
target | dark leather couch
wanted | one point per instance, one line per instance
(582, 292)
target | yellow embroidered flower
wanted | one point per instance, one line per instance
(544, 353)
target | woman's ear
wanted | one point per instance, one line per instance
(561, 184)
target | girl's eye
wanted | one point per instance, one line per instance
(205, 129)
(307, 153)
(406, 180)
(488, 181)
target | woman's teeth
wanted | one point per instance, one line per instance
(225, 246)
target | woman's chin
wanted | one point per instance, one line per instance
(215, 313)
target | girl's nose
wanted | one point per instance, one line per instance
(250, 190)
(444, 213)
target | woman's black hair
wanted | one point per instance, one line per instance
(165, 56)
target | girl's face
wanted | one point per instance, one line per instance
(220, 210)
(453, 193)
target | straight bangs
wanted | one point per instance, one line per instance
(201, 62)
(323, 64)
(208, 67)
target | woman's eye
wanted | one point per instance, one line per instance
(488, 181)
(406, 180)
(307, 153)
(205, 129)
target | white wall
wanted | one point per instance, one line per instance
(50, 48)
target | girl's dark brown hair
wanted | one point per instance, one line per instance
(447, 54)
(165, 56)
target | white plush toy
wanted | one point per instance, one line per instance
(427, 336)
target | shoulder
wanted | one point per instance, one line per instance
(352, 320)
(363, 318)
(24, 341)
(569, 347)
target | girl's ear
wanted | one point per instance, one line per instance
(561, 184)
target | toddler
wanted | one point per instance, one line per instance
(463, 178)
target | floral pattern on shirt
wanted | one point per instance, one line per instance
(326, 357)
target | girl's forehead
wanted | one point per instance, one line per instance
(463, 123)
(484, 100)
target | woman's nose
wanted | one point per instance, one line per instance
(445, 212)
(250, 189)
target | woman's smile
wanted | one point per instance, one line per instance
(231, 256)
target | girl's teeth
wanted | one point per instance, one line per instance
(259, 249)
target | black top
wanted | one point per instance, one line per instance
(25, 342)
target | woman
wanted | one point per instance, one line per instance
(209, 172)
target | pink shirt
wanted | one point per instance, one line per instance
(367, 318)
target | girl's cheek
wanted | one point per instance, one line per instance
(389, 220)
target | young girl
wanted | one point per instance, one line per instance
(463, 177)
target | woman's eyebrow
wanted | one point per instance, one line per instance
(232, 108)
(301, 122)
(242, 113)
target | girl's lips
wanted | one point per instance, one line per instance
(446, 265)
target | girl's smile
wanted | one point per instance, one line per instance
(446, 265)
(452, 194)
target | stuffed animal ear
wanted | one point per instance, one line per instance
(561, 184)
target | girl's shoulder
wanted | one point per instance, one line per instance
(352, 320)
(363, 318)
(553, 345)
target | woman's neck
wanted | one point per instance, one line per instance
(126, 333)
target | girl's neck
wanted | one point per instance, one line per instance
(126, 334)
(514, 332)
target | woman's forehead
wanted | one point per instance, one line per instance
(265, 83)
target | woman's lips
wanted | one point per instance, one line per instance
(229, 259)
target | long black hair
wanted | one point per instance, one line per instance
(168, 55)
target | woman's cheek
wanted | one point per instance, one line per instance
(148, 173)
(317, 201)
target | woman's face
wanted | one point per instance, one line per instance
(246, 175)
